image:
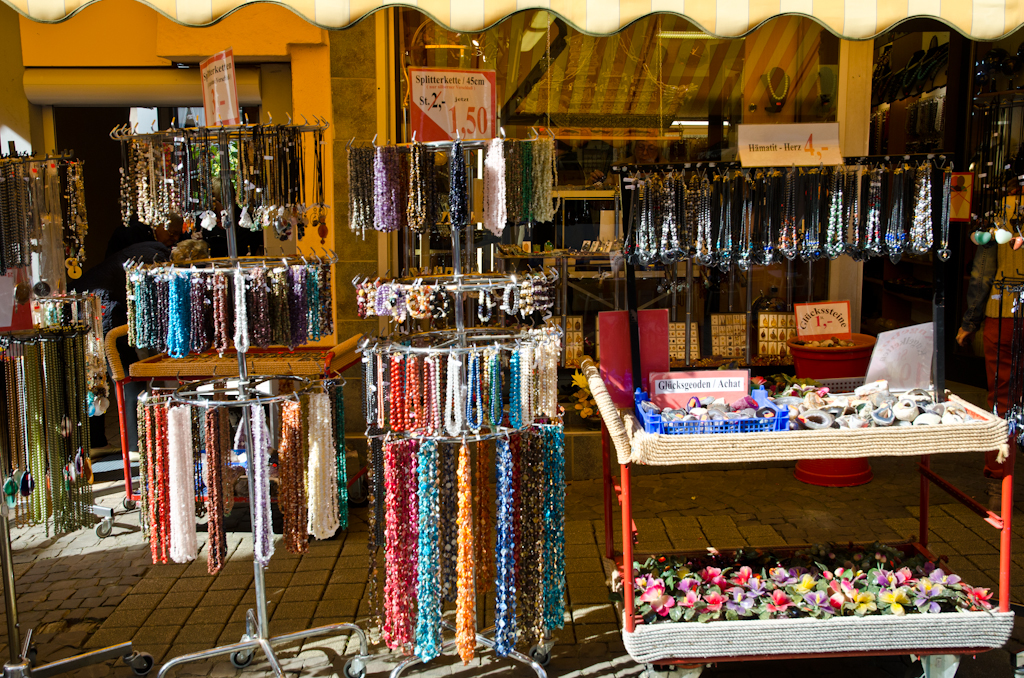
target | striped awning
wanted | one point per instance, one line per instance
(852, 19)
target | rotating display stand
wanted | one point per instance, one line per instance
(257, 636)
(460, 341)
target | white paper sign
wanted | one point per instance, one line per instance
(788, 145)
(7, 284)
(450, 103)
(220, 89)
(903, 357)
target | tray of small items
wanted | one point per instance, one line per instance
(755, 413)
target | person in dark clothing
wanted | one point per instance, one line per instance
(125, 236)
(107, 281)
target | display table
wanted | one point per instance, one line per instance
(952, 633)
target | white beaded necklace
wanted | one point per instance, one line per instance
(322, 501)
(455, 397)
(184, 547)
(526, 385)
(241, 315)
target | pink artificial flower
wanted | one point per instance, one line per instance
(655, 595)
(780, 601)
(714, 602)
(742, 576)
(978, 597)
(713, 575)
(690, 599)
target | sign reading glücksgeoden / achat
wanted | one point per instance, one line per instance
(220, 89)
(674, 389)
(788, 145)
(451, 103)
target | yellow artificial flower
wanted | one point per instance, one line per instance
(865, 603)
(896, 598)
(582, 396)
(579, 406)
(805, 585)
(586, 412)
(579, 381)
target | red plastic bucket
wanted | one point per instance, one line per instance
(833, 363)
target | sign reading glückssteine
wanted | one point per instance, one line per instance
(823, 320)
(451, 103)
(220, 89)
(674, 389)
(788, 145)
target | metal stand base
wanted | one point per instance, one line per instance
(482, 640)
(25, 668)
(242, 652)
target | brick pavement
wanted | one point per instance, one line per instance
(83, 592)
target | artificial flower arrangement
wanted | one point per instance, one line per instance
(585, 403)
(823, 581)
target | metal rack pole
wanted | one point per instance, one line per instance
(689, 305)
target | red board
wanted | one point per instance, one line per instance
(616, 350)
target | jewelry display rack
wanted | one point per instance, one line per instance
(939, 639)
(461, 340)
(257, 635)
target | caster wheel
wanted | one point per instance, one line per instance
(355, 668)
(104, 528)
(140, 663)
(128, 504)
(241, 659)
(540, 654)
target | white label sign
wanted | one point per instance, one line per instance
(788, 145)
(904, 357)
(449, 104)
(220, 89)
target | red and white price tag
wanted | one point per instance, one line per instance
(447, 104)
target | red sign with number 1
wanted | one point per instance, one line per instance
(448, 103)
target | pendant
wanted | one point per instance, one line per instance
(74, 270)
(945, 253)
(27, 484)
(10, 492)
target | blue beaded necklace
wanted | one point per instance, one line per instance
(504, 554)
(515, 409)
(428, 613)
(494, 381)
(179, 304)
(554, 522)
(474, 399)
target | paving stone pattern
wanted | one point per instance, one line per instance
(81, 592)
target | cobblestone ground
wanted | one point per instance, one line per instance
(79, 591)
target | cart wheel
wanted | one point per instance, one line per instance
(355, 668)
(241, 659)
(140, 663)
(540, 654)
(104, 528)
(33, 652)
(128, 504)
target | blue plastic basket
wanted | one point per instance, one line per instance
(654, 423)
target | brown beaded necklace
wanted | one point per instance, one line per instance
(292, 493)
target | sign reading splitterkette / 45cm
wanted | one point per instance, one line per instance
(788, 145)
(451, 103)
(220, 89)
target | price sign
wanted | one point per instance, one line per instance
(788, 145)
(220, 89)
(452, 103)
(823, 320)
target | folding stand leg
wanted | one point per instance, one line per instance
(481, 639)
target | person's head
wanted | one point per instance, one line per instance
(646, 152)
(170, 233)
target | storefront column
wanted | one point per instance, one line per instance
(846, 276)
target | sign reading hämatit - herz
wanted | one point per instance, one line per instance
(788, 145)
